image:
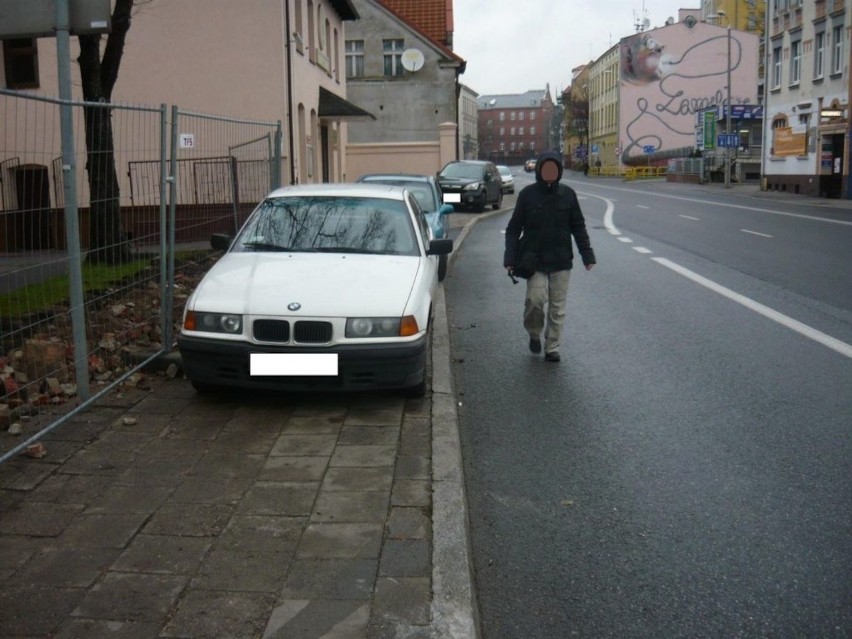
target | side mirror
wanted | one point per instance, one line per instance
(440, 247)
(220, 241)
(445, 209)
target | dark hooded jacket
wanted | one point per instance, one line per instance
(546, 216)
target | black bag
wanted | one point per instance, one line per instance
(526, 266)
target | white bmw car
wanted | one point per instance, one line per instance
(326, 286)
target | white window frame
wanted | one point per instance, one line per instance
(795, 62)
(837, 35)
(354, 56)
(819, 54)
(392, 57)
(777, 61)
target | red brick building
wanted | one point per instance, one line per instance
(513, 128)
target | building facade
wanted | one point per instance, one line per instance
(513, 128)
(603, 81)
(468, 122)
(806, 124)
(409, 79)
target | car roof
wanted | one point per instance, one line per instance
(401, 177)
(360, 189)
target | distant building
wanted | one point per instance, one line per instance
(513, 128)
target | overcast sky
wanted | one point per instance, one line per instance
(512, 46)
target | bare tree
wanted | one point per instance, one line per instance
(98, 74)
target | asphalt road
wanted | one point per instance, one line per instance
(684, 472)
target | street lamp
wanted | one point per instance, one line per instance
(721, 14)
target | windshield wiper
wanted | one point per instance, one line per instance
(268, 246)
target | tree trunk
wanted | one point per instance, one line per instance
(107, 242)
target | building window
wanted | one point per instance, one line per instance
(20, 58)
(819, 54)
(393, 57)
(521, 116)
(512, 131)
(532, 115)
(776, 67)
(502, 116)
(532, 130)
(532, 146)
(512, 146)
(795, 62)
(502, 131)
(512, 116)
(837, 49)
(520, 130)
(354, 58)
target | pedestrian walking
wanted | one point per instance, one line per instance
(538, 247)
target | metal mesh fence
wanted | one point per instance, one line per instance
(147, 193)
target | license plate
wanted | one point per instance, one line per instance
(449, 198)
(293, 364)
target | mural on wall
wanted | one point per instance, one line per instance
(670, 74)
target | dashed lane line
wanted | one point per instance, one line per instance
(755, 233)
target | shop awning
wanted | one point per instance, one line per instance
(334, 107)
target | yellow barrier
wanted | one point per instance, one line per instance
(630, 173)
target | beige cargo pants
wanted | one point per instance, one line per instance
(550, 289)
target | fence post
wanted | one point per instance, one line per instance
(72, 226)
(169, 297)
(165, 320)
(276, 162)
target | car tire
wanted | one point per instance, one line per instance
(204, 389)
(498, 203)
(442, 267)
(479, 207)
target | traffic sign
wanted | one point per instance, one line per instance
(649, 148)
(728, 140)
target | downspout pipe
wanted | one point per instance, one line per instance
(289, 39)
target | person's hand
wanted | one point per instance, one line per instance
(589, 267)
(510, 267)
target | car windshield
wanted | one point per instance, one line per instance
(504, 170)
(333, 224)
(461, 170)
(424, 195)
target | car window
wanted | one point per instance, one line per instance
(462, 170)
(334, 224)
(504, 170)
(421, 190)
(424, 223)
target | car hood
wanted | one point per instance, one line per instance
(449, 181)
(323, 285)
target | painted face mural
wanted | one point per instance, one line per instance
(670, 74)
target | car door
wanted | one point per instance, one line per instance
(493, 183)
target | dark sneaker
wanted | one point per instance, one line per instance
(535, 345)
(552, 357)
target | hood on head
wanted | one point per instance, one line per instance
(547, 156)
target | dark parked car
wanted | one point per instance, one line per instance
(429, 196)
(472, 183)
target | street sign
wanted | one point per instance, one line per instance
(728, 140)
(617, 151)
(649, 148)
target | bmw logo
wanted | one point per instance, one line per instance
(293, 306)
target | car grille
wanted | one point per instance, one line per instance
(271, 330)
(312, 332)
(304, 332)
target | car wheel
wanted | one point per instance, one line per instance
(480, 206)
(498, 203)
(442, 267)
(204, 389)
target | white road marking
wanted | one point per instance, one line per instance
(813, 218)
(689, 217)
(626, 240)
(755, 233)
(642, 250)
(610, 207)
(803, 329)
(640, 206)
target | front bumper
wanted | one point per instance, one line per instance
(225, 364)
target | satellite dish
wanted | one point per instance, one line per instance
(412, 60)
(492, 101)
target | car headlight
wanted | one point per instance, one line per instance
(213, 322)
(472, 186)
(381, 326)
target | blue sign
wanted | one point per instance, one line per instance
(649, 148)
(594, 148)
(728, 140)
(744, 111)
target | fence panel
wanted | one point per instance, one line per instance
(131, 213)
(123, 263)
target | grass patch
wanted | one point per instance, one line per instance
(35, 298)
